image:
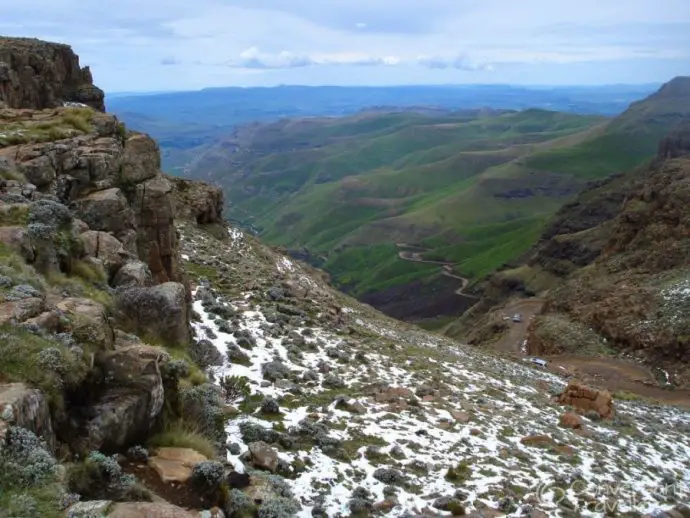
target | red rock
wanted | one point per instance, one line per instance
(571, 420)
(460, 416)
(586, 399)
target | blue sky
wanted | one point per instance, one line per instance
(140, 45)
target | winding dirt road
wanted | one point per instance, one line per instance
(414, 254)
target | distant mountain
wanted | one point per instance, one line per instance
(472, 189)
(184, 122)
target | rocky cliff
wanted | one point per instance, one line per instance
(36, 74)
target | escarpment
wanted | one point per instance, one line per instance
(36, 74)
(95, 308)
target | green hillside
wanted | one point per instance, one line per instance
(471, 188)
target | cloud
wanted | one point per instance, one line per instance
(253, 58)
(169, 61)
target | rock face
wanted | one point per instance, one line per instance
(36, 74)
(28, 408)
(587, 399)
(198, 201)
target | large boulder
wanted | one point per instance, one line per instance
(263, 456)
(161, 313)
(198, 201)
(89, 322)
(128, 407)
(587, 399)
(26, 407)
(17, 311)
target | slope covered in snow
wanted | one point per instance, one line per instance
(366, 415)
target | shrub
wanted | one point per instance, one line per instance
(389, 476)
(239, 505)
(203, 405)
(234, 387)
(182, 434)
(279, 507)
(275, 370)
(100, 477)
(25, 461)
(208, 476)
(138, 453)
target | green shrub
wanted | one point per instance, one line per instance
(235, 387)
(100, 477)
(239, 505)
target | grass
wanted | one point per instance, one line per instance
(69, 122)
(14, 215)
(47, 500)
(183, 434)
(78, 286)
(20, 362)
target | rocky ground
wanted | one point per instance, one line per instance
(363, 414)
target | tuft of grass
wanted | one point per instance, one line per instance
(183, 434)
(90, 272)
(79, 287)
(16, 214)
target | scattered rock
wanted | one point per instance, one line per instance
(175, 464)
(570, 420)
(263, 456)
(587, 399)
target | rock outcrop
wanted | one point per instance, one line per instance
(587, 399)
(37, 74)
(26, 407)
(198, 201)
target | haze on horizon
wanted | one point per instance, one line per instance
(181, 45)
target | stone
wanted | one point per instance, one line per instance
(88, 322)
(263, 456)
(460, 416)
(141, 160)
(538, 440)
(130, 403)
(90, 509)
(149, 510)
(28, 408)
(161, 312)
(586, 399)
(197, 201)
(107, 210)
(134, 274)
(18, 239)
(175, 464)
(106, 248)
(18, 311)
(570, 420)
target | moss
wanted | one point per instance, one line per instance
(183, 434)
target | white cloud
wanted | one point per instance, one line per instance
(131, 44)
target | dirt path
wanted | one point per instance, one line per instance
(446, 267)
(513, 340)
(617, 375)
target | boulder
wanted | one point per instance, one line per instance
(106, 248)
(570, 420)
(149, 510)
(587, 399)
(198, 201)
(134, 274)
(460, 416)
(175, 464)
(132, 399)
(141, 159)
(263, 456)
(106, 210)
(26, 407)
(88, 321)
(18, 239)
(20, 310)
(160, 312)
(90, 509)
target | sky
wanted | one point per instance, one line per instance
(154, 45)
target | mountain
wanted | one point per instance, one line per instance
(158, 362)
(471, 190)
(185, 123)
(609, 276)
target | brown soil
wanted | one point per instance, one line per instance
(511, 341)
(180, 495)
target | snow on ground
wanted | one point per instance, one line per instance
(462, 410)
